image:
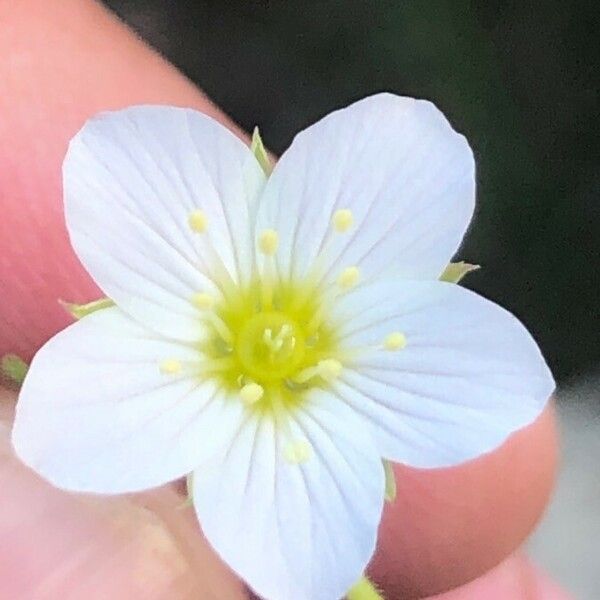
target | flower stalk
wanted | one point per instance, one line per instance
(364, 590)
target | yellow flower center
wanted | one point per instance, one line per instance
(272, 335)
(270, 341)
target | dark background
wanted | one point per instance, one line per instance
(519, 78)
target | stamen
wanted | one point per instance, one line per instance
(305, 375)
(219, 272)
(266, 290)
(221, 327)
(197, 221)
(317, 319)
(170, 366)
(349, 277)
(343, 220)
(301, 298)
(268, 242)
(251, 393)
(395, 341)
(328, 368)
(215, 365)
(203, 301)
(297, 452)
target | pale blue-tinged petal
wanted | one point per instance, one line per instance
(295, 531)
(131, 179)
(469, 375)
(397, 164)
(96, 414)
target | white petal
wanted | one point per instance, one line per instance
(95, 413)
(131, 179)
(295, 531)
(402, 170)
(469, 376)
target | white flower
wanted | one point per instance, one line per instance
(276, 338)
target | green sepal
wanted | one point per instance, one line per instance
(390, 481)
(78, 311)
(454, 272)
(13, 368)
(189, 501)
(259, 151)
(364, 590)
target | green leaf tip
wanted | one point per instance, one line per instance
(13, 368)
(258, 149)
(78, 311)
(454, 272)
(364, 590)
(390, 481)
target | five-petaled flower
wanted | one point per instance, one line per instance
(276, 336)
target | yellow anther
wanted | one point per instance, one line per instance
(343, 220)
(197, 221)
(297, 452)
(203, 301)
(268, 242)
(251, 393)
(329, 368)
(348, 277)
(395, 341)
(170, 366)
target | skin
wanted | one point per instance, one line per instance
(60, 62)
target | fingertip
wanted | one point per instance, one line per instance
(54, 544)
(448, 526)
(544, 588)
(515, 578)
(61, 61)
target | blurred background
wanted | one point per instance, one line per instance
(520, 80)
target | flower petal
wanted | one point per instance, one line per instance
(295, 531)
(398, 165)
(132, 178)
(469, 375)
(96, 414)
